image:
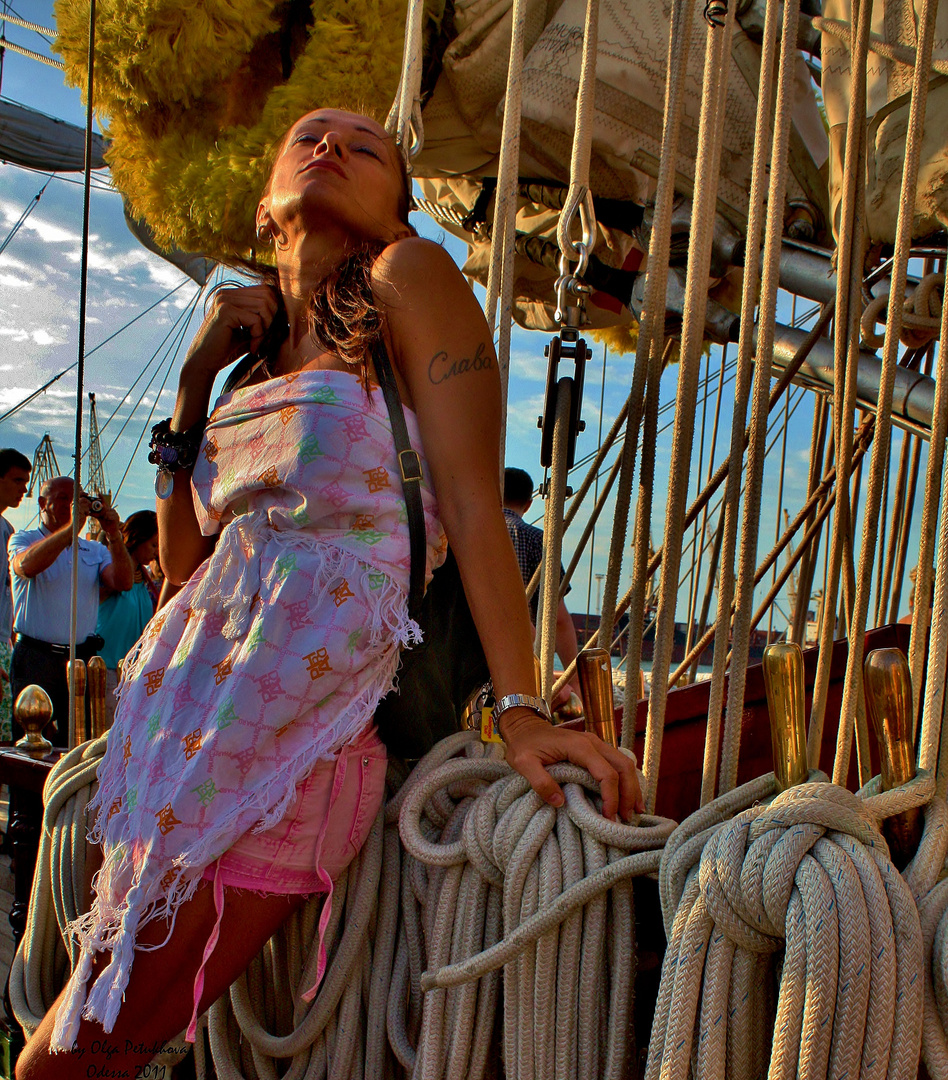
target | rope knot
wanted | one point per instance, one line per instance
(809, 874)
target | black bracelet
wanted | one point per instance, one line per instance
(173, 450)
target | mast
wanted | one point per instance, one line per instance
(45, 466)
(98, 485)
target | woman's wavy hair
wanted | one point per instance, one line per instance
(139, 527)
(343, 315)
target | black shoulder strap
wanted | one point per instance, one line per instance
(409, 464)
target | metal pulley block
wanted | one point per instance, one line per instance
(569, 345)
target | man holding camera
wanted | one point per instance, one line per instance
(41, 561)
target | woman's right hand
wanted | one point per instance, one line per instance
(236, 322)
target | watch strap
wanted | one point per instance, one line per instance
(523, 701)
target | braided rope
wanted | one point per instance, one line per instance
(809, 875)
(880, 449)
(553, 537)
(760, 411)
(646, 375)
(710, 129)
(404, 121)
(500, 275)
(850, 230)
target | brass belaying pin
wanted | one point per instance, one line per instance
(594, 667)
(783, 680)
(96, 673)
(888, 687)
(76, 671)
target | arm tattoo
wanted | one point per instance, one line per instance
(442, 367)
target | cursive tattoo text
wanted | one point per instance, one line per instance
(442, 367)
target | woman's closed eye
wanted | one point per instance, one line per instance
(365, 149)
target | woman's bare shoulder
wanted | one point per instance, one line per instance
(408, 269)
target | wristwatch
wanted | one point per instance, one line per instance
(525, 701)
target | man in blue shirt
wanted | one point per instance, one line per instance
(527, 542)
(41, 561)
(14, 479)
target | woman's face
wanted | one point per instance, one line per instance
(336, 168)
(142, 554)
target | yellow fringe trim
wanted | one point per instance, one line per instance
(193, 102)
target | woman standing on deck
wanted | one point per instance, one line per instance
(124, 615)
(246, 716)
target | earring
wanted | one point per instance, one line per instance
(264, 235)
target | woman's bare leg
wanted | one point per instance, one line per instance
(159, 997)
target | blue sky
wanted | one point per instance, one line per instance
(39, 291)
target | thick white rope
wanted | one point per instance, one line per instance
(903, 238)
(500, 273)
(567, 978)
(710, 131)
(891, 50)
(760, 411)
(850, 232)
(755, 231)
(810, 875)
(934, 648)
(647, 372)
(404, 121)
(579, 194)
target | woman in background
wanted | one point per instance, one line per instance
(124, 615)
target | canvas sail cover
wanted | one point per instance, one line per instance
(34, 140)
(894, 31)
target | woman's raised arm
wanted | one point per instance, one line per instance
(442, 349)
(237, 320)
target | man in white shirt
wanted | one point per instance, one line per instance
(41, 560)
(14, 480)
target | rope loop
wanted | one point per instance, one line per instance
(807, 876)
(921, 315)
(579, 200)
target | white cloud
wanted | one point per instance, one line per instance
(11, 281)
(44, 337)
(48, 231)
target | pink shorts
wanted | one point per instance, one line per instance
(289, 858)
(321, 833)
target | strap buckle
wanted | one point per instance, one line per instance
(410, 465)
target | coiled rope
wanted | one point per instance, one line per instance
(490, 878)
(809, 874)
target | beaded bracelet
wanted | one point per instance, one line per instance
(173, 450)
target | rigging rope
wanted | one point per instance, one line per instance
(850, 230)
(26, 213)
(767, 310)
(404, 121)
(922, 615)
(5, 43)
(649, 356)
(711, 125)
(903, 237)
(7, 16)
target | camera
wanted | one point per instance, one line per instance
(96, 505)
